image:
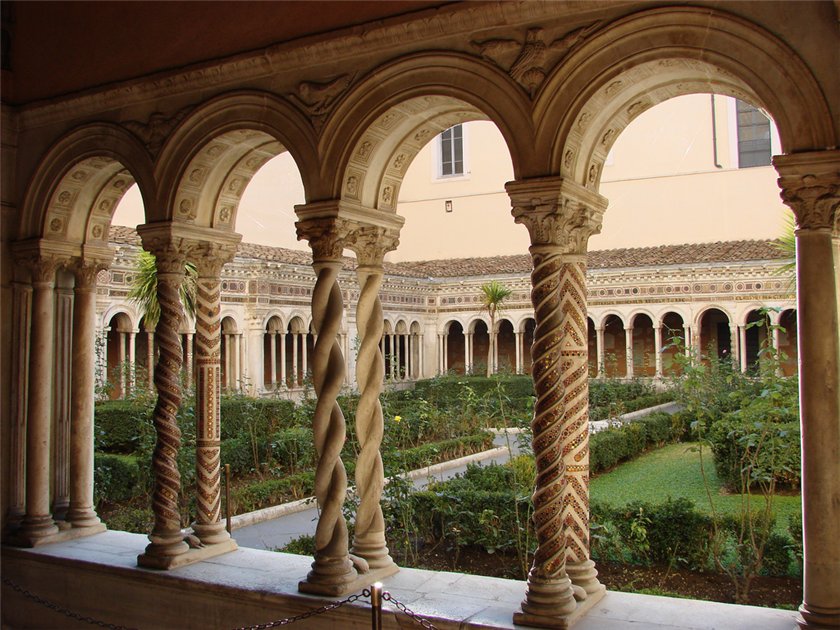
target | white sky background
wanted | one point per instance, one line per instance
(727, 205)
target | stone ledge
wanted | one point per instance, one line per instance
(248, 586)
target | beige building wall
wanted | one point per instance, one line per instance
(670, 179)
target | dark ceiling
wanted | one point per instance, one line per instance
(55, 48)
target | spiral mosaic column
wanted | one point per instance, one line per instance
(209, 259)
(370, 245)
(560, 217)
(166, 538)
(332, 571)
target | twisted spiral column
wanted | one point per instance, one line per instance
(370, 244)
(166, 537)
(560, 216)
(549, 587)
(331, 567)
(208, 522)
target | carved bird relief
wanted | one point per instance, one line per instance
(529, 61)
(318, 98)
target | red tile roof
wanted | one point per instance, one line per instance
(687, 254)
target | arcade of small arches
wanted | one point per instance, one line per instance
(353, 123)
(267, 342)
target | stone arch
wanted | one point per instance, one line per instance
(211, 157)
(648, 57)
(386, 119)
(72, 195)
(644, 344)
(615, 347)
(274, 322)
(788, 341)
(505, 346)
(713, 325)
(455, 347)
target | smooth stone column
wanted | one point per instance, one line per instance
(38, 521)
(22, 305)
(599, 349)
(81, 513)
(742, 343)
(810, 184)
(61, 403)
(657, 349)
(628, 350)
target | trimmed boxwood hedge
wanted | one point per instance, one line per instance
(118, 477)
(618, 444)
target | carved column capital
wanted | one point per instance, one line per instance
(557, 212)
(370, 243)
(325, 238)
(85, 272)
(810, 184)
(210, 256)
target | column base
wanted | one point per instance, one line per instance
(584, 576)
(361, 581)
(560, 621)
(62, 533)
(814, 618)
(165, 563)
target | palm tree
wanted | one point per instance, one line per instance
(786, 245)
(494, 293)
(143, 289)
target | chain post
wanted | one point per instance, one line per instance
(376, 606)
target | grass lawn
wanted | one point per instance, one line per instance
(674, 471)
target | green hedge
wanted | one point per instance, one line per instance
(676, 533)
(603, 412)
(272, 492)
(762, 450)
(118, 425)
(426, 454)
(286, 450)
(118, 477)
(242, 415)
(612, 446)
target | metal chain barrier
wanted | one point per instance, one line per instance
(375, 593)
(408, 612)
(309, 613)
(60, 609)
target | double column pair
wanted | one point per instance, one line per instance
(209, 250)
(560, 217)
(329, 228)
(32, 438)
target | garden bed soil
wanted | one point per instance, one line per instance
(772, 592)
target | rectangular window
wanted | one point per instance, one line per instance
(753, 136)
(452, 151)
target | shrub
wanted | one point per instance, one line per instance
(272, 492)
(118, 425)
(620, 443)
(242, 415)
(116, 478)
